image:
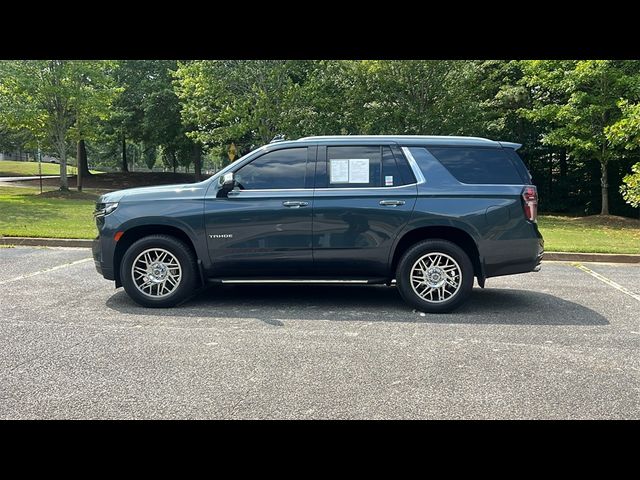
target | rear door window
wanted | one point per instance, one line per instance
(390, 172)
(354, 167)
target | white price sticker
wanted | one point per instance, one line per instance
(339, 171)
(358, 170)
(349, 170)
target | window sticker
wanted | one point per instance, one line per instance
(339, 171)
(349, 170)
(388, 180)
(358, 170)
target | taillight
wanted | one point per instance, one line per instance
(530, 199)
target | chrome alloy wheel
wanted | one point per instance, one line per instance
(156, 272)
(436, 277)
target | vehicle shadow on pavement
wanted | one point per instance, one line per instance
(272, 303)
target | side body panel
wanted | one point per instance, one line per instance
(491, 214)
(253, 233)
(354, 228)
(178, 206)
(261, 232)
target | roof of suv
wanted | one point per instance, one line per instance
(410, 139)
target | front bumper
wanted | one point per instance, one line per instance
(105, 270)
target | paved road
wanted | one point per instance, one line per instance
(22, 179)
(561, 343)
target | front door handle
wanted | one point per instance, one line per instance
(295, 204)
(391, 203)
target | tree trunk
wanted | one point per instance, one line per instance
(604, 182)
(197, 160)
(83, 164)
(83, 167)
(174, 161)
(80, 174)
(64, 182)
(125, 167)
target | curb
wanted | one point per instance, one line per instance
(552, 256)
(592, 257)
(46, 242)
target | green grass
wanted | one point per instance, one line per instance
(593, 234)
(24, 213)
(10, 168)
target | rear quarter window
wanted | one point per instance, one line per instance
(478, 165)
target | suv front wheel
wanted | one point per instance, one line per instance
(435, 276)
(159, 271)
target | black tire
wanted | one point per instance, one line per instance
(189, 281)
(409, 259)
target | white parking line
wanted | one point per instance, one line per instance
(46, 270)
(609, 282)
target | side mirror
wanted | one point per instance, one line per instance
(227, 183)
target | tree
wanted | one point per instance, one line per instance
(148, 111)
(630, 189)
(327, 97)
(579, 100)
(97, 76)
(14, 140)
(239, 101)
(626, 132)
(54, 100)
(415, 97)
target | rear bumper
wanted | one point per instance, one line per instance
(540, 250)
(540, 255)
(509, 257)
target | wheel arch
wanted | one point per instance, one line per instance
(455, 235)
(133, 234)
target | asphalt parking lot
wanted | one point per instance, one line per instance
(562, 343)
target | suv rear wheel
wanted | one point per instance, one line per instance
(435, 276)
(159, 271)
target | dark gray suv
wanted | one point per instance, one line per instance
(429, 212)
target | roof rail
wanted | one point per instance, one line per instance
(278, 138)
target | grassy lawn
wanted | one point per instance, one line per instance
(9, 168)
(24, 213)
(593, 234)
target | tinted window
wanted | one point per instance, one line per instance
(353, 166)
(519, 164)
(275, 170)
(403, 166)
(390, 172)
(478, 165)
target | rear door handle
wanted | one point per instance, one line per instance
(295, 204)
(391, 203)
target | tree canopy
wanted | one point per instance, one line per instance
(55, 101)
(578, 120)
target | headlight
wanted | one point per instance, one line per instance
(103, 209)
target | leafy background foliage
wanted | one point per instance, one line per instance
(578, 120)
